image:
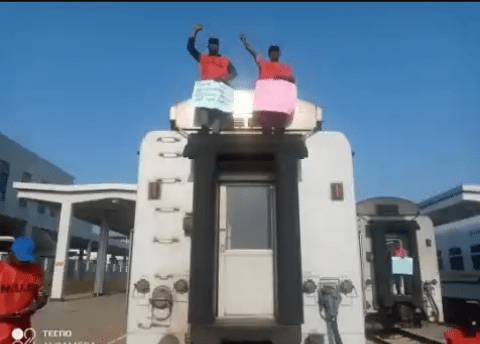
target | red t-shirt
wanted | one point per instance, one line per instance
(213, 66)
(19, 287)
(400, 252)
(271, 70)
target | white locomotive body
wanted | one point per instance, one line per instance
(246, 237)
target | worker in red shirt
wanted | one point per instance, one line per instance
(213, 66)
(400, 251)
(21, 288)
(270, 69)
(397, 278)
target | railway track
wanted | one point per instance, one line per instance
(400, 337)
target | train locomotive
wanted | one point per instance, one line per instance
(245, 237)
(384, 223)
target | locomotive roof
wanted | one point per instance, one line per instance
(387, 206)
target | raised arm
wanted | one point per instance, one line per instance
(232, 71)
(243, 38)
(191, 42)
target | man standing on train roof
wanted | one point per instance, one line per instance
(21, 288)
(270, 69)
(213, 66)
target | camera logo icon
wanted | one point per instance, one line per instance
(23, 337)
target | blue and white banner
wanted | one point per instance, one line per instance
(402, 266)
(213, 95)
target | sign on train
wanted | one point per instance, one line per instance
(402, 265)
(213, 95)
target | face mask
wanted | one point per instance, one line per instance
(274, 55)
(213, 48)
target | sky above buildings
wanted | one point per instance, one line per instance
(82, 83)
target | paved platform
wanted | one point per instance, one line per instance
(98, 320)
(103, 320)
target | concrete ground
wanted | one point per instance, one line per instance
(98, 320)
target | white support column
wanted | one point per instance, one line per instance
(75, 267)
(101, 259)
(127, 270)
(81, 266)
(28, 229)
(61, 255)
(89, 253)
(124, 264)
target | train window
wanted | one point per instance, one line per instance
(456, 259)
(475, 249)
(440, 260)
(249, 216)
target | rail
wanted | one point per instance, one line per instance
(401, 337)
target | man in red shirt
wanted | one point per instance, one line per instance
(270, 69)
(397, 278)
(21, 288)
(213, 66)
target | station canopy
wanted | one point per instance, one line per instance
(453, 205)
(90, 202)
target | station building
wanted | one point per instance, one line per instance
(38, 198)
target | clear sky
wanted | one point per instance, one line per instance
(82, 83)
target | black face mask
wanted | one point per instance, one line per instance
(212, 52)
(274, 59)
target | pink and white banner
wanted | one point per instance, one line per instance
(275, 95)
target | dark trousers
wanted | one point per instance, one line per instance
(407, 283)
(213, 119)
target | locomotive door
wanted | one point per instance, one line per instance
(246, 258)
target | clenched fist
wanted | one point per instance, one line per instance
(197, 27)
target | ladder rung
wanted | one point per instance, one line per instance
(165, 240)
(169, 180)
(170, 155)
(167, 209)
(168, 139)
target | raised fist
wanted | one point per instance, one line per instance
(197, 27)
(243, 38)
